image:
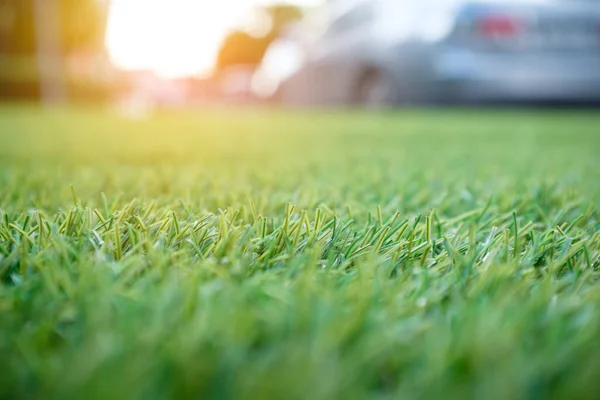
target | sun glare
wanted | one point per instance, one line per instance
(170, 37)
(175, 37)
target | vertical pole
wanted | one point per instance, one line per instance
(49, 57)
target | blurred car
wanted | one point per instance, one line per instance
(376, 53)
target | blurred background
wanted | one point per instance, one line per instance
(143, 54)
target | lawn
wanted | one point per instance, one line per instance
(259, 254)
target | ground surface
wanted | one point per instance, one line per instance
(422, 254)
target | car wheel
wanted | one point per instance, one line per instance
(376, 90)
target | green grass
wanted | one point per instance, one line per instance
(316, 255)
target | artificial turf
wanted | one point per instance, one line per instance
(299, 255)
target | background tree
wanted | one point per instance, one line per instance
(242, 48)
(81, 23)
(35, 35)
(17, 35)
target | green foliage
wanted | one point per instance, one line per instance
(281, 15)
(81, 24)
(247, 254)
(79, 27)
(242, 48)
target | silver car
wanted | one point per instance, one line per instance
(377, 53)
